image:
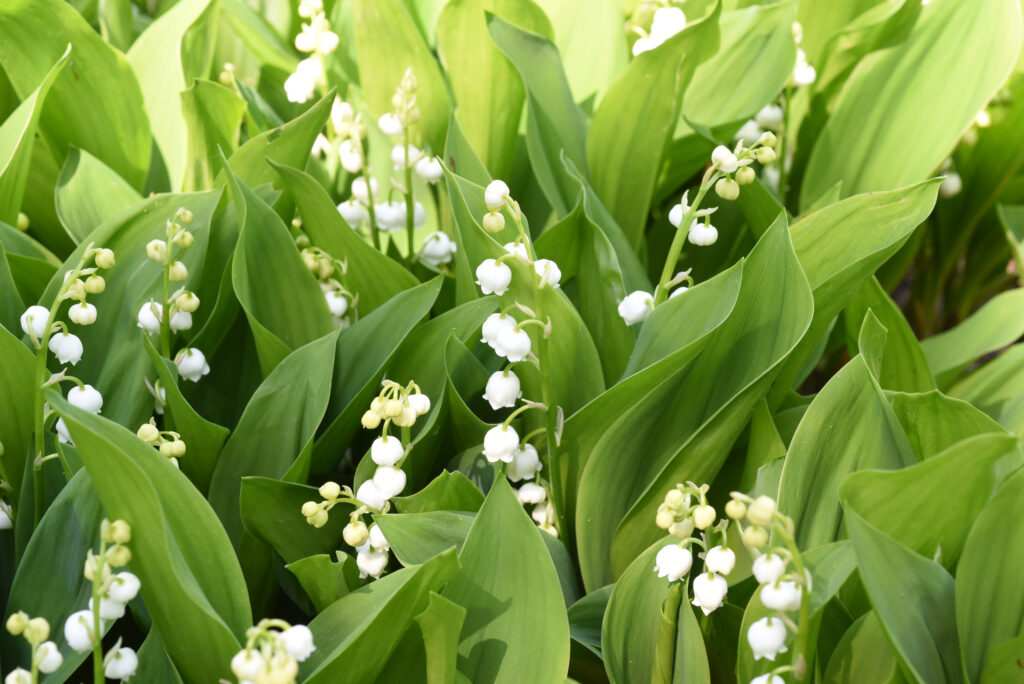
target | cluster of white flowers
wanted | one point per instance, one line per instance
(168, 443)
(317, 38)
(332, 275)
(111, 592)
(667, 22)
(768, 118)
(272, 653)
(684, 510)
(45, 655)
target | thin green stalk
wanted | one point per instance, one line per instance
(410, 207)
(676, 249)
(374, 233)
(97, 629)
(783, 145)
(801, 644)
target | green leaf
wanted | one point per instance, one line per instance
(1002, 665)
(88, 193)
(17, 137)
(100, 89)
(382, 62)
(934, 421)
(325, 581)
(418, 537)
(212, 115)
(374, 276)
(17, 398)
(993, 389)
(516, 627)
(191, 581)
(635, 121)
(488, 116)
(173, 51)
(889, 103)
(277, 426)
(586, 617)
(848, 427)
(154, 664)
(258, 34)
(1012, 218)
(864, 655)
(271, 512)
(989, 597)
(1000, 322)
(356, 635)
(281, 298)
(449, 491)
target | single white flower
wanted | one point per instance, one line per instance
(525, 463)
(386, 451)
(18, 676)
(34, 319)
(500, 443)
(298, 641)
(109, 609)
(390, 215)
(513, 344)
(150, 316)
(191, 364)
(495, 325)
(6, 522)
(709, 592)
(181, 320)
(519, 249)
(429, 169)
(389, 481)
(951, 185)
(770, 117)
(725, 159)
(390, 124)
(354, 213)
(86, 398)
(372, 563)
(124, 587)
(120, 664)
(768, 678)
(420, 403)
(360, 190)
(495, 195)
(783, 595)
(247, 665)
(82, 313)
(350, 156)
(673, 561)
(767, 638)
(531, 493)
(398, 156)
(720, 559)
(63, 435)
(337, 303)
(702, 234)
(678, 291)
(749, 133)
(66, 347)
(327, 42)
(321, 146)
(493, 277)
(376, 538)
(548, 271)
(668, 21)
(644, 44)
(299, 87)
(636, 307)
(370, 495)
(803, 73)
(438, 249)
(544, 515)
(78, 631)
(419, 215)
(49, 657)
(503, 389)
(768, 568)
(342, 115)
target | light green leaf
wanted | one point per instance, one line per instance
(212, 115)
(325, 581)
(934, 421)
(17, 397)
(864, 655)
(417, 537)
(449, 491)
(993, 389)
(271, 512)
(1012, 218)
(88, 193)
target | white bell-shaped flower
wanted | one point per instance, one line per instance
(668, 21)
(376, 538)
(495, 194)
(519, 249)
(513, 344)
(709, 592)
(548, 271)
(82, 313)
(337, 303)
(636, 306)
(389, 481)
(18, 675)
(247, 665)
(678, 291)
(525, 463)
(767, 638)
(398, 156)
(429, 169)
(419, 215)
(181, 320)
(298, 641)
(390, 215)
(300, 86)
(63, 435)
(78, 631)
(350, 156)
(86, 398)
(702, 234)
(783, 595)
(362, 192)
(768, 678)
(120, 664)
(803, 73)
(770, 117)
(673, 561)
(6, 522)
(370, 495)
(720, 559)
(389, 124)
(420, 403)
(495, 325)
(768, 568)
(951, 185)
(371, 563)
(124, 587)
(150, 316)
(438, 249)
(34, 319)
(500, 443)
(531, 493)
(109, 609)
(386, 451)
(66, 347)
(749, 133)
(191, 364)
(644, 44)
(49, 657)
(354, 213)
(725, 159)
(503, 389)
(493, 277)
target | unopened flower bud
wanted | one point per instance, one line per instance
(76, 289)
(23, 222)
(310, 508)
(184, 239)
(95, 284)
(754, 537)
(682, 529)
(17, 623)
(167, 449)
(765, 155)
(393, 408)
(119, 532)
(703, 517)
(119, 555)
(664, 519)
(762, 511)
(188, 302)
(371, 420)
(330, 490)
(157, 250)
(105, 258)
(494, 222)
(37, 630)
(407, 418)
(727, 188)
(767, 139)
(355, 533)
(675, 498)
(735, 509)
(745, 175)
(178, 271)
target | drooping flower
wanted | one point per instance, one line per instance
(494, 325)
(120, 663)
(673, 561)
(493, 278)
(503, 389)
(354, 213)
(86, 398)
(150, 316)
(429, 169)
(386, 451)
(803, 73)
(181, 320)
(525, 463)
(702, 234)
(78, 631)
(531, 493)
(548, 271)
(767, 638)
(48, 657)
(500, 443)
(720, 560)
(768, 568)
(66, 347)
(361, 191)
(636, 306)
(495, 194)
(390, 124)
(298, 641)
(389, 481)
(438, 249)
(370, 495)
(34, 319)
(783, 595)
(82, 313)
(191, 364)
(513, 344)
(725, 159)
(709, 592)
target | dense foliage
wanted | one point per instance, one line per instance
(511, 340)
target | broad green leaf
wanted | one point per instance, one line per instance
(488, 116)
(212, 115)
(356, 635)
(100, 89)
(154, 664)
(913, 598)
(864, 655)
(430, 647)
(903, 503)
(191, 581)
(278, 425)
(324, 580)
(281, 298)
(1012, 218)
(17, 398)
(88, 193)
(934, 422)
(449, 491)
(373, 276)
(516, 627)
(989, 595)
(383, 61)
(417, 537)
(890, 103)
(17, 137)
(257, 34)
(586, 617)
(1001, 664)
(636, 118)
(1000, 322)
(993, 389)
(271, 512)
(848, 427)
(173, 51)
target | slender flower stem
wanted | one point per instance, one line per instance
(165, 314)
(374, 232)
(800, 645)
(410, 207)
(676, 249)
(784, 144)
(97, 629)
